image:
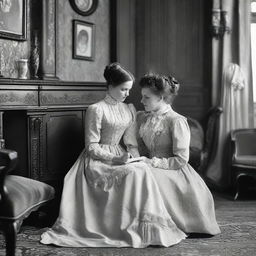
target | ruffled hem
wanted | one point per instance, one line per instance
(145, 231)
(155, 230)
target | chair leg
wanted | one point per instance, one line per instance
(236, 194)
(237, 189)
(10, 232)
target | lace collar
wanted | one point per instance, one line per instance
(153, 126)
(110, 100)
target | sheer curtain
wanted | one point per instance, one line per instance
(231, 84)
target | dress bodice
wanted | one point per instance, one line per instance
(107, 121)
(166, 136)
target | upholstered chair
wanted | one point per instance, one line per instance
(19, 196)
(203, 140)
(196, 143)
(243, 156)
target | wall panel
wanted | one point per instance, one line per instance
(69, 69)
(170, 39)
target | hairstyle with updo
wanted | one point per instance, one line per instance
(163, 86)
(115, 74)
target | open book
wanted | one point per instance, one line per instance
(134, 159)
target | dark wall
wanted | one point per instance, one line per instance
(170, 37)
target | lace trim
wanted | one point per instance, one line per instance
(110, 100)
(155, 125)
(142, 218)
(161, 163)
(147, 225)
(154, 219)
(98, 153)
(149, 228)
(107, 181)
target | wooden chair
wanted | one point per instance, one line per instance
(196, 143)
(19, 196)
(243, 156)
(211, 138)
(203, 143)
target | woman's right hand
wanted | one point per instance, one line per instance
(121, 159)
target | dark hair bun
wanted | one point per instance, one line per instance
(148, 80)
(174, 85)
(115, 74)
(110, 70)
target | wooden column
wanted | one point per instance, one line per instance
(1, 130)
(48, 40)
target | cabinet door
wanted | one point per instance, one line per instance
(15, 135)
(56, 140)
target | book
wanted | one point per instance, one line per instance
(134, 159)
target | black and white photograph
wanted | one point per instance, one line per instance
(84, 7)
(13, 19)
(128, 128)
(83, 40)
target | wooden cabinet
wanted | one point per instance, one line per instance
(55, 139)
(47, 129)
(48, 142)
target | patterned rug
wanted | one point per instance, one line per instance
(237, 220)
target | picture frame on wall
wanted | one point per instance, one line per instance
(13, 19)
(84, 7)
(83, 40)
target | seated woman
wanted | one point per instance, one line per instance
(107, 202)
(164, 136)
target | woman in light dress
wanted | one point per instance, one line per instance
(107, 202)
(164, 137)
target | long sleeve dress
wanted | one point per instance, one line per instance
(107, 205)
(165, 137)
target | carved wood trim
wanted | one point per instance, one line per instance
(29, 83)
(36, 146)
(18, 98)
(69, 98)
(20, 94)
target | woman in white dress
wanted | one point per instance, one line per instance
(164, 136)
(107, 202)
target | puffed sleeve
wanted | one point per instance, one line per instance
(93, 120)
(181, 139)
(129, 136)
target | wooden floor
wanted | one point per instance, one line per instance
(237, 220)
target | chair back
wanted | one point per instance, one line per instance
(8, 161)
(245, 141)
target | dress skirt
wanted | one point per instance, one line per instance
(187, 199)
(106, 205)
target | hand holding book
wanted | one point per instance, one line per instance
(134, 159)
(127, 159)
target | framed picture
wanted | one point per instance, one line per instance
(13, 19)
(84, 7)
(83, 40)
